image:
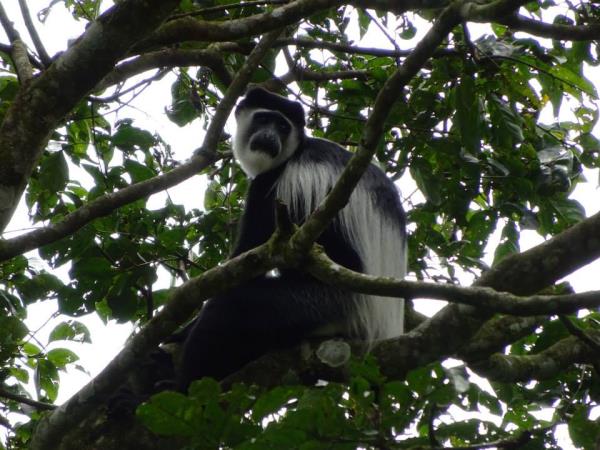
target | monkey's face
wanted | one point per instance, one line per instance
(264, 139)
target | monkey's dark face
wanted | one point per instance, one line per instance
(268, 132)
(264, 139)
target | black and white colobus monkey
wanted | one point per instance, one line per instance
(368, 236)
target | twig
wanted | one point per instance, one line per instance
(168, 58)
(433, 441)
(35, 37)
(145, 82)
(508, 444)
(239, 5)
(27, 401)
(386, 34)
(579, 333)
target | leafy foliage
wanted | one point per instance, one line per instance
(492, 135)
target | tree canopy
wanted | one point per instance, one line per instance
(485, 111)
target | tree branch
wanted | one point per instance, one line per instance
(357, 50)
(552, 31)
(18, 52)
(581, 334)
(167, 58)
(26, 401)
(496, 334)
(102, 206)
(320, 266)
(546, 364)
(35, 37)
(191, 29)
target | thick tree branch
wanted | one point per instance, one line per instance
(40, 106)
(496, 334)
(490, 11)
(543, 265)
(191, 29)
(552, 31)
(185, 299)
(546, 364)
(450, 329)
(582, 335)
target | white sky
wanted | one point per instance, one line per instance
(109, 339)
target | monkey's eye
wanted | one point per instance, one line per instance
(283, 127)
(260, 119)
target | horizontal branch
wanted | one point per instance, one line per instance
(102, 206)
(496, 334)
(358, 50)
(552, 31)
(192, 29)
(320, 266)
(26, 401)
(175, 57)
(546, 364)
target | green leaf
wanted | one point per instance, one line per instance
(70, 330)
(509, 243)
(60, 357)
(91, 267)
(129, 137)
(468, 114)
(273, 401)
(583, 431)
(569, 210)
(164, 412)
(570, 78)
(54, 172)
(182, 111)
(139, 172)
(428, 184)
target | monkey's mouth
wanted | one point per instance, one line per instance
(265, 143)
